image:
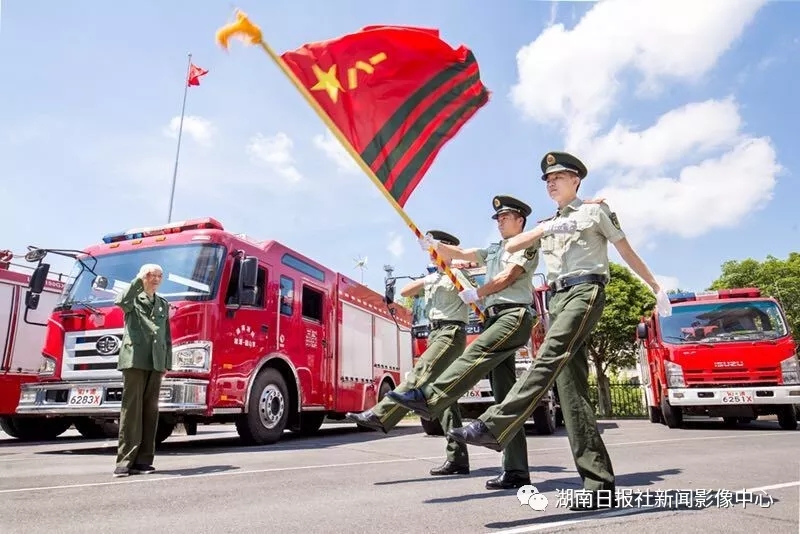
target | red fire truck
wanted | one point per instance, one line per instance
(726, 353)
(547, 415)
(262, 336)
(22, 344)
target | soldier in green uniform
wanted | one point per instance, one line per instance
(578, 271)
(448, 316)
(145, 356)
(507, 296)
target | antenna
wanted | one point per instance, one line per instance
(361, 263)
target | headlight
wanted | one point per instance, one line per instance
(674, 375)
(48, 366)
(194, 357)
(790, 370)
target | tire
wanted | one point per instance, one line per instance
(386, 387)
(559, 417)
(310, 423)
(544, 419)
(39, 428)
(787, 417)
(91, 429)
(7, 426)
(432, 428)
(266, 420)
(654, 414)
(164, 430)
(673, 417)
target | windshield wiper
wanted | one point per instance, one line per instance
(689, 342)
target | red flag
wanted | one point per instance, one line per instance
(397, 93)
(194, 74)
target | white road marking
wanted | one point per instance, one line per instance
(153, 478)
(620, 512)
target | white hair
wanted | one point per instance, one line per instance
(148, 268)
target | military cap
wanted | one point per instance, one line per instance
(505, 203)
(444, 237)
(562, 161)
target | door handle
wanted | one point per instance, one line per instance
(264, 328)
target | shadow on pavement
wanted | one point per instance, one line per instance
(324, 438)
(571, 483)
(194, 471)
(474, 473)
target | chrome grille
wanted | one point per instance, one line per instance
(91, 354)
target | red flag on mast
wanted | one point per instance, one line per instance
(194, 74)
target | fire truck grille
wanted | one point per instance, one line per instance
(91, 354)
(742, 377)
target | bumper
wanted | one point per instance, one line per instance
(103, 397)
(734, 396)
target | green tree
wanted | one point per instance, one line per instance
(774, 277)
(612, 345)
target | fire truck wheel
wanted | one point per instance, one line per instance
(91, 429)
(787, 417)
(432, 428)
(673, 417)
(164, 429)
(544, 419)
(266, 420)
(654, 414)
(310, 423)
(35, 428)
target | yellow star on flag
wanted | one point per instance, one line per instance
(327, 81)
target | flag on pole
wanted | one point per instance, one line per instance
(392, 95)
(397, 93)
(195, 73)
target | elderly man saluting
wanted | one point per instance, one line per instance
(145, 356)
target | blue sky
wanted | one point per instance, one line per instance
(685, 117)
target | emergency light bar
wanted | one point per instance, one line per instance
(174, 228)
(747, 292)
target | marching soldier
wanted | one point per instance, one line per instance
(507, 296)
(577, 274)
(145, 356)
(448, 316)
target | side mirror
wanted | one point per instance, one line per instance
(39, 278)
(101, 282)
(389, 293)
(248, 273)
(641, 331)
(31, 300)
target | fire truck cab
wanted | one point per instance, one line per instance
(547, 415)
(726, 353)
(262, 335)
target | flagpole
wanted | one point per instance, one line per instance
(253, 32)
(180, 132)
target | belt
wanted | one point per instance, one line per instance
(566, 283)
(441, 323)
(491, 311)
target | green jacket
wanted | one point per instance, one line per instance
(147, 340)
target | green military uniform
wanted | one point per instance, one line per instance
(577, 267)
(145, 355)
(448, 316)
(507, 327)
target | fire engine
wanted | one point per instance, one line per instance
(547, 415)
(22, 343)
(262, 335)
(726, 353)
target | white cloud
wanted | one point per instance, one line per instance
(198, 128)
(334, 150)
(275, 152)
(660, 182)
(395, 246)
(667, 283)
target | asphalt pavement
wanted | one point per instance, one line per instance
(745, 479)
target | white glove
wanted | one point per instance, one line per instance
(469, 295)
(428, 242)
(559, 226)
(663, 305)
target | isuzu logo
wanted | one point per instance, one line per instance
(107, 345)
(729, 364)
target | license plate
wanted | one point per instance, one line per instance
(737, 397)
(79, 396)
(473, 393)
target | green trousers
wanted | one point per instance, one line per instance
(138, 417)
(445, 344)
(563, 359)
(502, 378)
(494, 350)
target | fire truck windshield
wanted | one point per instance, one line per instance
(191, 272)
(720, 322)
